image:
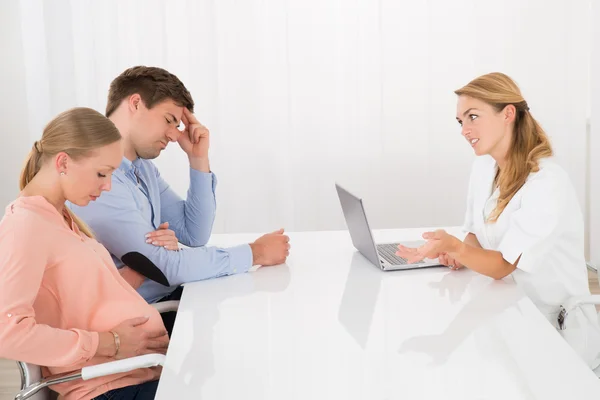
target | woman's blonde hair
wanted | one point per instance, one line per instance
(529, 142)
(76, 132)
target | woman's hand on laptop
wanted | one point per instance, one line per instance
(438, 242)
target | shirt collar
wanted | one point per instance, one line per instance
(127, 165)
(137, 163)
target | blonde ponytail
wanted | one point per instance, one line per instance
(32, 166)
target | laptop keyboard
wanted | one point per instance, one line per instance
(388, 253)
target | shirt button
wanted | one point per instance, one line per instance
(9, 315)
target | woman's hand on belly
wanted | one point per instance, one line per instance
(137, 338)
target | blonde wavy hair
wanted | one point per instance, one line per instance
(529, 142)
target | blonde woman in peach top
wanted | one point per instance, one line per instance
(63, 304)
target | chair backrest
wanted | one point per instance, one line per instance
(30, 374)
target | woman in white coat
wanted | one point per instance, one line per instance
(523, 217)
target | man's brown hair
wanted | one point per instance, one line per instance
(154, 85)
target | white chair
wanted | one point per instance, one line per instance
(35, 387)
(569, 313)
(576, 302)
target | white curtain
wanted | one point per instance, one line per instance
(593, 182)
(299, 94)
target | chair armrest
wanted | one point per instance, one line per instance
(95, 371)
(577, 301)
(120, 366)
(166, 306)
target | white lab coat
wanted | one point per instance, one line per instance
(543, 225)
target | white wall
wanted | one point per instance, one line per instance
(365, 96)
(302, 93)
(594, 141)
(13, 103)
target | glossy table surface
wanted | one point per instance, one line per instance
(329, 325)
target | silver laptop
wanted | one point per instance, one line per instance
(381, 255)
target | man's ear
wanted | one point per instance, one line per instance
(134, 103)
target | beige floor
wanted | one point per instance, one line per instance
(9, 375)
(9, 379)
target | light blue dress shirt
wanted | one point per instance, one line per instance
(139, 201)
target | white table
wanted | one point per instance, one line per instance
(329, 325)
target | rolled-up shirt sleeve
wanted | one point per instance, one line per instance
(191, 219)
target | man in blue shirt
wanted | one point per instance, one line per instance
(147, 105)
